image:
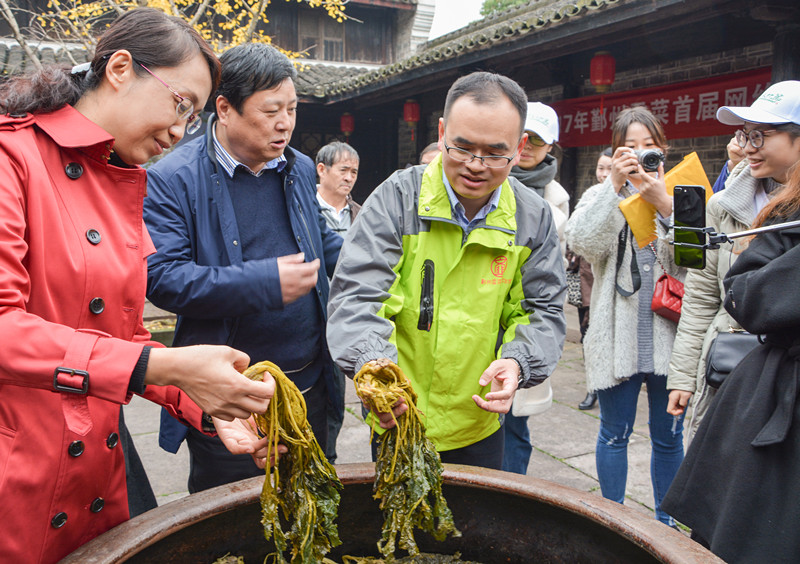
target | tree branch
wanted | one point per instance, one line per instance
(8, 15)
(201, 9)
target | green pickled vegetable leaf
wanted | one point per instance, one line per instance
(408, 479)
(302, 489)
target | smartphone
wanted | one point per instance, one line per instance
(689, 205)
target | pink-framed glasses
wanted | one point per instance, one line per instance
(185, 107)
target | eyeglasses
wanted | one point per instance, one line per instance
(464, 156)
(185, 108)
(756, 137)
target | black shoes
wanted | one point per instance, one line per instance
(588, 402)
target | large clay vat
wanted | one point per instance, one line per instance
(503, 518)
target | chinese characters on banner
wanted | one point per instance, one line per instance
(685, 109)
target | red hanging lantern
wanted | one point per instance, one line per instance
(411, 115)
(602, 70)
(347, 123)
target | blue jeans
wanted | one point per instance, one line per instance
(518, 449)
(617, 417)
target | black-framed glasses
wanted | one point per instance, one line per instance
(185, 108)
(756, 137)
(464, 156)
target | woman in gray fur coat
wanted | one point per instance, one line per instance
(627, 344)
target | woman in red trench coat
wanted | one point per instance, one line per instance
(73, 252)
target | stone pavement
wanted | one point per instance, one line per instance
(563, 437)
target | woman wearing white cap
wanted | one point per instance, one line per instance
(537, 170)
(770, 139)
(738, 488)
(537, 166)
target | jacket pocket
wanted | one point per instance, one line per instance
(7, 437)
(426, 297)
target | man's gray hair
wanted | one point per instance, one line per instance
(335, 151)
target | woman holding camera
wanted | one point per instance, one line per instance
(627, 344)
(770, 140)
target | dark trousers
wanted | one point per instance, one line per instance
(335, 414)
(211, 464)
(486, 453)
(140, 494)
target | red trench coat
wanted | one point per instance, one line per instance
(73, 251)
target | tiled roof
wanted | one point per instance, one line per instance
(502, 27)
(312, 78)
(14, 60)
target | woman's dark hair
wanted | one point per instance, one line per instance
(251, 68)
(607, 152)
(153, 39)
(637, 114)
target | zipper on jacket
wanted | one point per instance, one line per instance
(426, 297)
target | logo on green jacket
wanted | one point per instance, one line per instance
(499, 266)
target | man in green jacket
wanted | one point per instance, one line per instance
(454, 272)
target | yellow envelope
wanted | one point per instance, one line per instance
(641, 215)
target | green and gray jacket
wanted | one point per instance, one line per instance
(411, 286)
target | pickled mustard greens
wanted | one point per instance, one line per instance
(303, 484)
(408, 480)
(421, 558)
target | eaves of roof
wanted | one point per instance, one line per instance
(501, 28)
(13, 59)
(312, 78)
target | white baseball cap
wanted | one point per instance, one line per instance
(780, 103)
(543, 121)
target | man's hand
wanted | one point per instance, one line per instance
(239, 437)
(298, 278)
(504, 376)
(210, 375)
(678, 401)
(386, 420)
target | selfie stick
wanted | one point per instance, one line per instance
(714, 238)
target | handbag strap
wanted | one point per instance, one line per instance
(636, 278)
(661, 264)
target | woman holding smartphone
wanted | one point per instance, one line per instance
(627, 345)
(738, 487)
(770, 139)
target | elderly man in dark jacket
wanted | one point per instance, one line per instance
(240, 240)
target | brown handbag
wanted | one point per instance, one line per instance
(667, 294)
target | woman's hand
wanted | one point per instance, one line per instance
(240, 437)
(211, 376)
(735, 153)
(678, 401)
(654, 190)
(623, 162)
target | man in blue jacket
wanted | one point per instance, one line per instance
(240, 240)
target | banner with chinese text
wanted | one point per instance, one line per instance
(685, 109)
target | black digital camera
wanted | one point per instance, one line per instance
(650, 159)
